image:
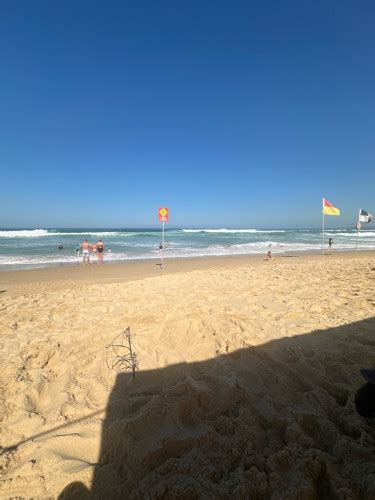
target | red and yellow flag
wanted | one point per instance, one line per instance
(329, 209)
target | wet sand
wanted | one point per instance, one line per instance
(68, 275)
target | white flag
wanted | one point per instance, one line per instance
(365, 216)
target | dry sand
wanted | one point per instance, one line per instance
(247, 375)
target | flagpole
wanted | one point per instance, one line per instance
(323, 227)
(356, 241)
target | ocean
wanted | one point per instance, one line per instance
(35, 248)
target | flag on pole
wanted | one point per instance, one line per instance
(365, 216)
(329, 209)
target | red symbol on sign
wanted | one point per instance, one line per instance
(163, 214)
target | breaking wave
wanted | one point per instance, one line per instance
(24, 233)
(38, 233)
(234, 231)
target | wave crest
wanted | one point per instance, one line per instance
(234, 231)
(38, 233)
(24, 233)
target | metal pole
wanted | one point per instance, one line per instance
(323, 228)
(356, 241)
(162, 248)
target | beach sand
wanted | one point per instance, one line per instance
(247, 374)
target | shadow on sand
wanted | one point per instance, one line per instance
(271, 421)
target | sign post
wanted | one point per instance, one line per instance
(323, 229)
(358, 226)
(163, 215)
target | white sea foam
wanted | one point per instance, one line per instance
(361, 234)
(36, 260)
(37, 233)
(364, 234)
(253, 231)
(92, 233)
(276, 245)
(26, 233)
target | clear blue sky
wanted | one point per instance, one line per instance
(230, 113)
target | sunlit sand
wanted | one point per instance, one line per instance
(247, 374)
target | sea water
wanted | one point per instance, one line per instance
(33, 248)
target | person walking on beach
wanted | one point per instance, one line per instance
(100, 250)
(330, 241)
(86, 247)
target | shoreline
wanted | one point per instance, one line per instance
(112, 272)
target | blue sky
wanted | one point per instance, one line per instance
(230, 113)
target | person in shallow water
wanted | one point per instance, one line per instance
(86, 247)
(61, 246)
(100, 250)
(365, 397)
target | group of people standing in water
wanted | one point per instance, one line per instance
(87, 250)
(93, 249)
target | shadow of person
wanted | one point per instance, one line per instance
(275, 419)
(75, 491)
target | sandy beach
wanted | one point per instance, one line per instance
(247, 371)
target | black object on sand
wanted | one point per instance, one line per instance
(365, 397)
(368, 374)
